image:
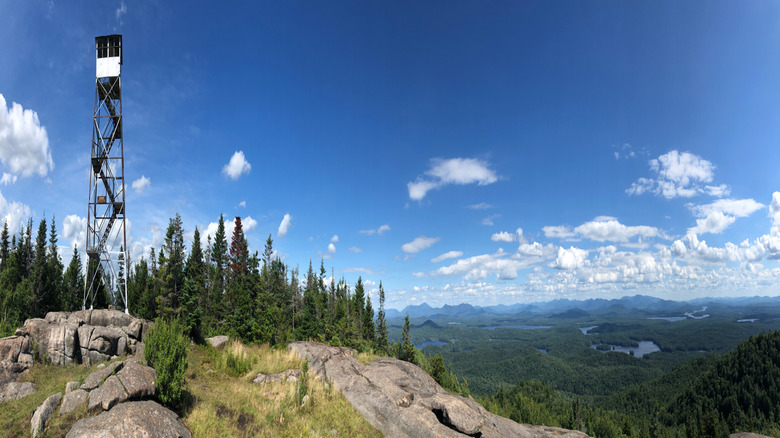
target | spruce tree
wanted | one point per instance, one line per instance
(381, 324)
(73, 289)
(54, 269)
(5, 249)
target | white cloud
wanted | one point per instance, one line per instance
(447, 255)
(74, 228)
(335, 238)
(237, 166)
(714, 223)
(284, 226)
(120, 11)
(483, 266)
(719, 215)
(488, 221)
(480, 206)
(679, 174)
(141, 184)
(505, 236)
(8, 179)
(355, 249)
(558, 232)
(248, 224)
(418, 244)
(451, 171)
(24, 144)
(418, 274)
(605, 228)
(331, 248)
(242, 204)
(571, 258)
(380, 230)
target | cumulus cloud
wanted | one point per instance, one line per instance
(355, 249)
(141, 184)
(679, 174)
(480, 206)
(558, 232)
(418, 244)
(451, 171)
(605, 228)
(483, 266)
(74, 228)
(447, 255)
(24, 144)
(380, 230)
(331, 248)
(248, 224)
(237, 166)
(505, 236)
(242, 204)
(284, 226)
(719, 215)
(335, 238)
(571, 258)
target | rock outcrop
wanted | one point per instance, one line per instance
(86, 336)
(42, 414)
(132, 419)
(16, 356)
(218, 341)
(15, 390)
(402, 400)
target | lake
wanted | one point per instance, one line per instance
(517, 326)
(426, 343)
(585, 330)
(645, 347)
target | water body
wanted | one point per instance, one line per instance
(645, 347)
(748, 320)
(517, 326)
(669, 318)
(542, 350)
(585, 330)
(426, 343)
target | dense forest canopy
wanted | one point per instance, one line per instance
(220, 290)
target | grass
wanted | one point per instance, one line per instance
(220, 398)
(222, 405)
(15, 416)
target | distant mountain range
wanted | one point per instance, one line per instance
(564, 308)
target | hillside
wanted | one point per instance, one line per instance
(740, 391)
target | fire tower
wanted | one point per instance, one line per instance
(106, 235)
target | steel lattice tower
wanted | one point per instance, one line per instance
(106, 231)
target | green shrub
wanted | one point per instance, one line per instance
(237, 364)
(166, 351)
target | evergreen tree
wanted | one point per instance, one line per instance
(73, 289)
(407, 349)
(54, 269)
(219, 261)
(43, 300)
(137, 282)
(381, 324)
(172, 266)
(239, 253)
(5, 249)
(368, 321)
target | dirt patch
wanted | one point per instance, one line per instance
(243, 421)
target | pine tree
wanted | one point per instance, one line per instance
(43, 300)
(239, 254)
(172, 266)
(5, 249)
(74, 283)
(218, 259)
(54, 269)
(407, 348)
(381, 324)
(368, 321)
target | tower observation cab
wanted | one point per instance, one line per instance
(106, 235)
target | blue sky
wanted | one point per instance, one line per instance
(481, 152)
